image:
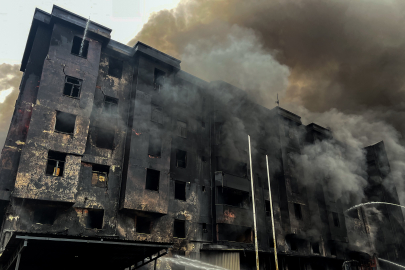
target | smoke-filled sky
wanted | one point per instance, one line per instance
(339, 63)
(321, 54)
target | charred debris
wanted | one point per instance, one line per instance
(116, 157)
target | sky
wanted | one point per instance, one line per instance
(124, 17)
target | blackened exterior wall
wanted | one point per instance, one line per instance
(131, 125)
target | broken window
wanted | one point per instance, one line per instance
(233, 197)
(110, 105)
(95, 218)
(180, 190)
(100, 175)
(354, 213)
(181, 159)
(77, 45)
(204, 227)
(336, 219)
(56, 163)
(115, 67)
(182, 129)
(297, 211)
(234, 233)
(152, 179)
(267, 203)
(157, 115)
(143, 225)
(332, 249)
(315, 248)
(179, 229)
(155, 146)
(246, 236)
(159, 79)
(72, 87)
(294, 185)
(293, 244)
(45, 215)
(65, 122)
(105, 138)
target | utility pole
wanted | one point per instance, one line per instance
(272, 217)
(254, 207)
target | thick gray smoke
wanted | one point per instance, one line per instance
(337, 63)
(341, 54)
(362, 130)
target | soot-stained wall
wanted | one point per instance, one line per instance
(158, 155)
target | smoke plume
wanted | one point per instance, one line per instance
(347, 55)
(335, 63)
(10, 77)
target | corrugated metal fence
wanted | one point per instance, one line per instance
(228, 260)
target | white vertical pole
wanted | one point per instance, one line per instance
(254, 208)
(272, 218)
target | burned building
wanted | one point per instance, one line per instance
(116, 157)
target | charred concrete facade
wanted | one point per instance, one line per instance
(116, 153)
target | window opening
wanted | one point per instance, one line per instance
(152, 179)
(110, 105)
(354, 213)
(65, 122)
(333, 249)
(157, 115)
(56, 163)
(159, 79)
(100, 175)
(105, 138)
(267, 207)
(203, 159)
(233, 197)
(72, 87)
(336, 219)
(204, 227)
(181, 159)
(95, 218)
(315, 248)
(45, 215)
(203, 188)
(182, 129)
(143, 225)
(246, 236)
(180, 190)
(294, 185)
(179, 229)
(202, 124)
(293, 245)
(155, 146)
(77, 43)
(297, 210)
(115, 67)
